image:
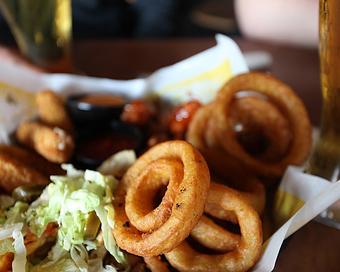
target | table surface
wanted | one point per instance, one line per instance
(315, 247)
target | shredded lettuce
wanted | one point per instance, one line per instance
(58, 260)
(16, 214)
(2, 217)
(80, 257)
(117, 164)
(6, 245)
(13, 233)
(67, 201)
(71, 171)
(109, 241)
(7, 231)
(96, 262)
(19, 262)
(62, 264)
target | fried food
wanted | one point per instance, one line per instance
(187, 204)
(32, 160)
(6, 262)
(285, 99)
(278, 120)
(249, 188)
(54, 144)
(52, 111)
(181, 117)
(163, 173)
(211, 235)
(155, 264)
(14, 173)
(243, 256)
(260, 127)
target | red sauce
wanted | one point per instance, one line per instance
(102, 99)
(102, 146)
(181, 117)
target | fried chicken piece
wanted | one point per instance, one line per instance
(6, 262)
(32, 160)
(52, 111)
(14, 173)
(54, 144)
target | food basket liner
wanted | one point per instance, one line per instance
(300, 197)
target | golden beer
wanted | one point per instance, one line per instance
(42, 30)
(325, 160)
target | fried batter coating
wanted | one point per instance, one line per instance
(32, 160)
(155, 264)
(6, 262)
(14, 173)
(54, 144)
(51, 110)
(261, 125)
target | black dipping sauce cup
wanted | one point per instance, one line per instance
(85, 113)
(96, 143)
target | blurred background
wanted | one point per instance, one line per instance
(46, 31)
(294, 21)
(146, 19)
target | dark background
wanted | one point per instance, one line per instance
(103, 19)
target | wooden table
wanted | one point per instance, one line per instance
(313, 248)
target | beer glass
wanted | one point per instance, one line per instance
(325, 159)
(42, 30)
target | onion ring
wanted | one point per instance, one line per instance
(212, 236)
(225, 166)
(221, 162)
(286, 100)
(187, 207)
(250, 189)
(260, 127)
(142, 214)
(243, 257)
(155, 264)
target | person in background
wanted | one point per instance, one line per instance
(292, 22)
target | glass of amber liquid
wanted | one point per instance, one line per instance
(42, 30)
(325, 159)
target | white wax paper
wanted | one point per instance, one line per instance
(198, 77)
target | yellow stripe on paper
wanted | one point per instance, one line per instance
(219, 74)
(6, 89)
(11, 94)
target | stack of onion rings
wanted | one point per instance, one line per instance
(276, 112)
(242, 251)
(150, 231)
(235, 252)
